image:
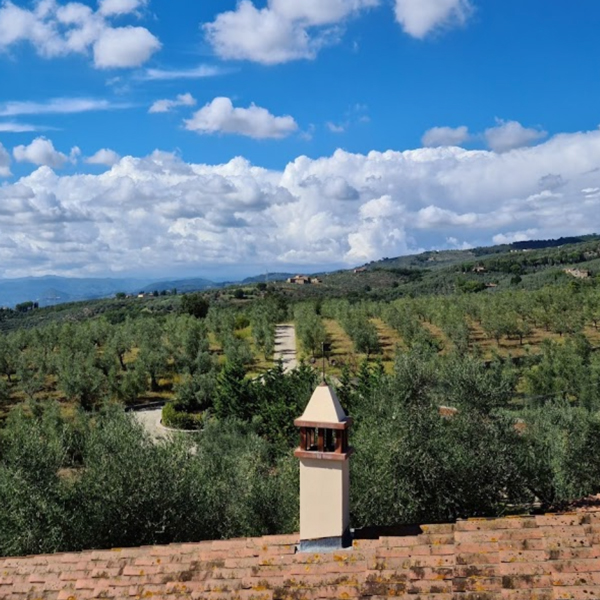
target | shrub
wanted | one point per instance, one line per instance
(99, 481)
(171, 417)
(560, 457)
(195, 305)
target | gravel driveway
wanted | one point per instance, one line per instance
(150, 419)
(285, 346)
(285, 350)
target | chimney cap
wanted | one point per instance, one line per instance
(324, 408)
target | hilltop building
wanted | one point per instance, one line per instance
(303, 280)
(578, 273)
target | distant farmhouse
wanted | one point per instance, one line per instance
(303, 280)
(578, 273)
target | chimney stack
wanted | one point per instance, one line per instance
(324, 473)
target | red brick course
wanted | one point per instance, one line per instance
(545, 557)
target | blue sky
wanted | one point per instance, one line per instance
(226, 138)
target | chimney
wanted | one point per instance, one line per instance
(324, 473)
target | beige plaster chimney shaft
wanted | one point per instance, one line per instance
(324, 473)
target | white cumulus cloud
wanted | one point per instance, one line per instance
(161, 214)
(503, 137)
(163, 106)
(445, 136)
(420, 17)
(284, 30)
(124, 47)
(74, 155)
(220, 116)
(18, 24)
(508, 135)
(40, 152)
(105, 157)
(516, 236)
(120, 7)
(317, 12)
(57, 30)
(4, 162)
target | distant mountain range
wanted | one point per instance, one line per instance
(268, 277)
(181, 285)
(51, 290)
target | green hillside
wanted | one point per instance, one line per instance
(523, 265)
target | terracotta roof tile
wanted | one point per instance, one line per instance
(544, 557)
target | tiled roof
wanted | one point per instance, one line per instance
(544, 557)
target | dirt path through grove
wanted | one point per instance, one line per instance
(285, 346)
